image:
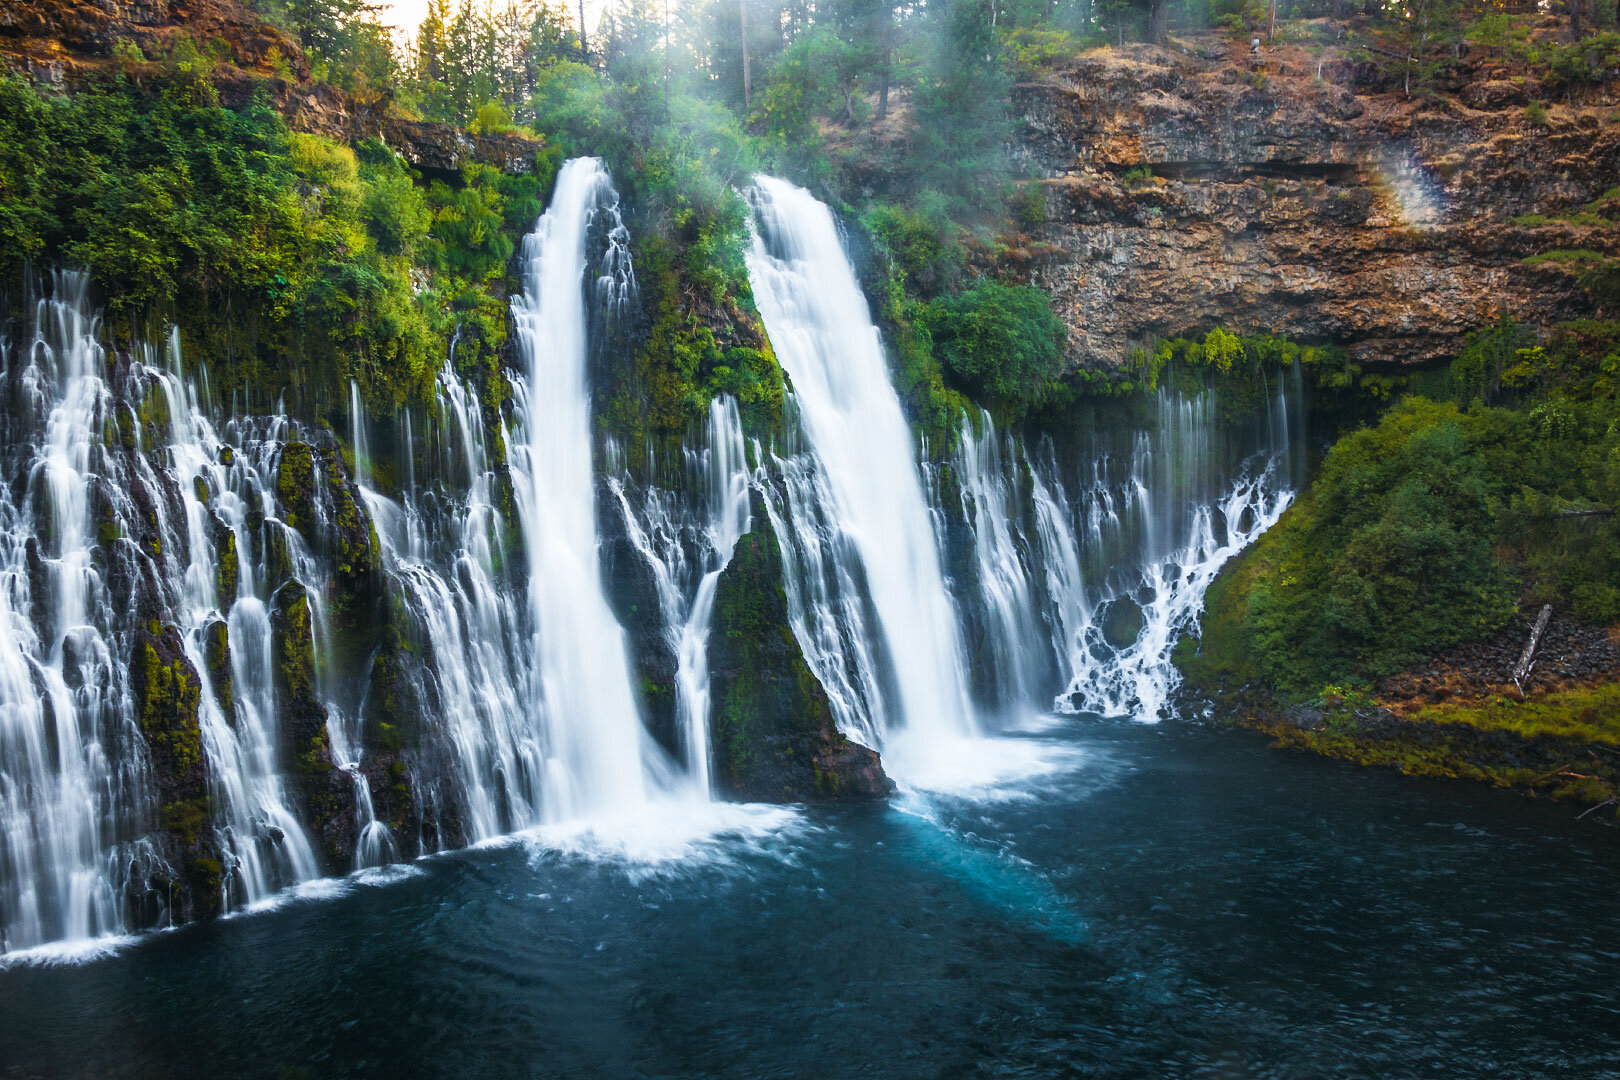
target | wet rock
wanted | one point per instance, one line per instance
(775, 738)
(1122, 622)
(217, 655)
(167, 692)
(325, 791)
(632, 593)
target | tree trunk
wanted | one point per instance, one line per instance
(742, 17)
(883, 86)
(1577, 12)
(1271, 29)
(1159, 22)
(1521, 670)
(584, 46)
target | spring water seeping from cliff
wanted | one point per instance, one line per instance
(134, 512)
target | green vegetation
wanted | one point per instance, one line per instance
(1552, 759)
(287, 260)
(1428, 528)
(1000, 343)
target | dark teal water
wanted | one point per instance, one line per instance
(1166, 902)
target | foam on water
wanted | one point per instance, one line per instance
(673, 837)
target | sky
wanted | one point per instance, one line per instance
(406, 15)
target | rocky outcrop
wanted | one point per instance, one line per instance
(1185, 192)
(57, 40)
(325, 793)
(62, 41)
(773, 732)
(167, 691)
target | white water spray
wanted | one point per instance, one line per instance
(823, 335)
(597, 754)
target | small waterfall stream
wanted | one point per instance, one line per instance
(677, 544)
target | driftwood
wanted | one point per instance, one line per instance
(1521, 670)
(1597, 511)
(1599, 806)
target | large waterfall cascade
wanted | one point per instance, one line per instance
(1061, 548)
(599, 757)
(823, 333)
(924, 597)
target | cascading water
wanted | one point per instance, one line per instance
(678, 543)
(131, 518)
(74, 790)
(825, 583)
(1113, 580)
(1166, 524)
(823, 335)
(134, 511)
(599, 759)
(258, 828)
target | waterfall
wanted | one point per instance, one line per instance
(997, 576)
(258, 828)
(74, 806)
(828, 604)
(444, 553)
(989, 479)
(1159, 530)
(823, 334)
(133, 511)
(687, 543)
(598, 757)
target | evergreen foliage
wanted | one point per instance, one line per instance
(1432, 526)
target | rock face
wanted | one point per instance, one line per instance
(774, 736)
(167, 692)
(1183, 192)
(59, 41)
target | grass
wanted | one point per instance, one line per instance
(1587, 714)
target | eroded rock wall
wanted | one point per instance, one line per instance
(1187, 189)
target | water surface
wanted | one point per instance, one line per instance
(1141, 901)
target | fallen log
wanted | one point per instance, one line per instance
(1521, 670)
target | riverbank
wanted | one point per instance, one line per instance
(1461, 716)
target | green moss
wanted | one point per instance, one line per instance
(217, 655)
(295, 487)
(1587, 715)
(773, 732)
(187, 819)
(167, 693)
(226, 567)
(1543, 764)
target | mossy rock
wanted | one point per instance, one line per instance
(773, 732)
(167, 692)
(1122, 622)
(227, 569)
(217, 655)
(295, 487)
(325, 791)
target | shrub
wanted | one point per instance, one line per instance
(998, 342)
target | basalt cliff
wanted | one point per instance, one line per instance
(1268, 193)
